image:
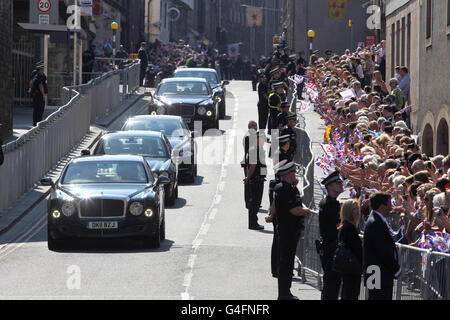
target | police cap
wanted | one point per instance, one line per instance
(286, 169)
(291, 117)
(284, 139)
(277, 85)
(276, 70)
(334, 177)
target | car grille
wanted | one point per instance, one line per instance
(101, 208)
(185, 110)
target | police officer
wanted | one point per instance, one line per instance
(88, 63)
(290, 216)
(263, 103)
(256, 176)
(282, 151)
(281, 119)
(39, 91)
(271, 218)
(254, 72)
(249, 137)
(290, 130)
(275, 100)
(329, 219)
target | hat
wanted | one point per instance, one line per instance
(285, 105)
(401, 124)
(334, 177)
(293, 56)
(284, 139)
(291, 117)
(276, 70)
(286, 169)
(277, 85)
(316, 51)
(40, 65)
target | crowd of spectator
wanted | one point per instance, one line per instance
(368, 123)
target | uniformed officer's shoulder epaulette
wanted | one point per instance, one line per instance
(278, 186)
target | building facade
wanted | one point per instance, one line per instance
(332, 32)
(418, 37)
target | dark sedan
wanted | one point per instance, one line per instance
(180, 138)
(153, 146)
(213, 79)
(106, 197)
(190, 98)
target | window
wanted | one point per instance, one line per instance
(402, 62)
(393, 49)
(429, 18)
(408, 50)
(397, 44)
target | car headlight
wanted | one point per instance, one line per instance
(209, 114)
(56, 214)
(201, 111)
(68, 208)
(164, 174)
(136, 208)
(153, 113)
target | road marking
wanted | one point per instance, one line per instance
(204, 228)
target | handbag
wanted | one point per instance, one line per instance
(345, 261)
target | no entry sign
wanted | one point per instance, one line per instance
(44, 6)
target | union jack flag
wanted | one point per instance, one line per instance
(438, 241)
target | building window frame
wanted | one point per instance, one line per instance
(429, 23)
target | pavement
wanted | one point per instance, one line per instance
(209, 253)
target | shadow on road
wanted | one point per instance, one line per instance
(114, 246)
(198, 182)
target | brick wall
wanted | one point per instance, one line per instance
(6, 67)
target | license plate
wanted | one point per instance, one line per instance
(103, 225)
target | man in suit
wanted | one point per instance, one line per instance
(142, 53)
(379, 249)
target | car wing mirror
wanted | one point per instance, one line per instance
(85, 153)
(225, 83)
(161, 181)
(48, 182)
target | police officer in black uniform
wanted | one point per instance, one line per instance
(263, 103)
(329, 219)
(281, 119)
(289, 129)
(282, 150)
(256, 176)
(254, 72)
(290, 216)
(39, 91)
(249, 138)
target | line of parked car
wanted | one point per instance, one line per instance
(121, 190)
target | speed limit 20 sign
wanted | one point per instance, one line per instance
(44, 6)
(41, 8)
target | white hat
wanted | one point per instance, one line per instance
(401, 124)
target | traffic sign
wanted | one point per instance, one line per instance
(44, 6)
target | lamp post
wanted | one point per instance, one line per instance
(311, 35)
(114, 28)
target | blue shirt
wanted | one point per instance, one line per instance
(404, 85)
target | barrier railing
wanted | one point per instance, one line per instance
(425, 274)
(37, 151)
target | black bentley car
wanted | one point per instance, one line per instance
(180, 137)
(213, 79)
(153, 146)
(106, 197)
(190, 98)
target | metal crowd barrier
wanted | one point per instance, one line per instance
(32, 155)
(425, 274)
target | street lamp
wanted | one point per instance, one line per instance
(311, 35)
(114, 28)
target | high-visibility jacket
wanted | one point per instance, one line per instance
(272, 100)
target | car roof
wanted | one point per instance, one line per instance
(185, 80)
(196, 69)
(150, 117)
(133, 133)
(108, 158)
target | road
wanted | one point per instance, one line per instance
(209, 253)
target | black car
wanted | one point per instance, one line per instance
(213, 79)
(106, 197)
(180, 137)
(190, 98)
(153, 146)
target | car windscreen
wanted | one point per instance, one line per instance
(171, 128)
(183, 88)
(96, 172)
(153, 147)
(211, 77)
